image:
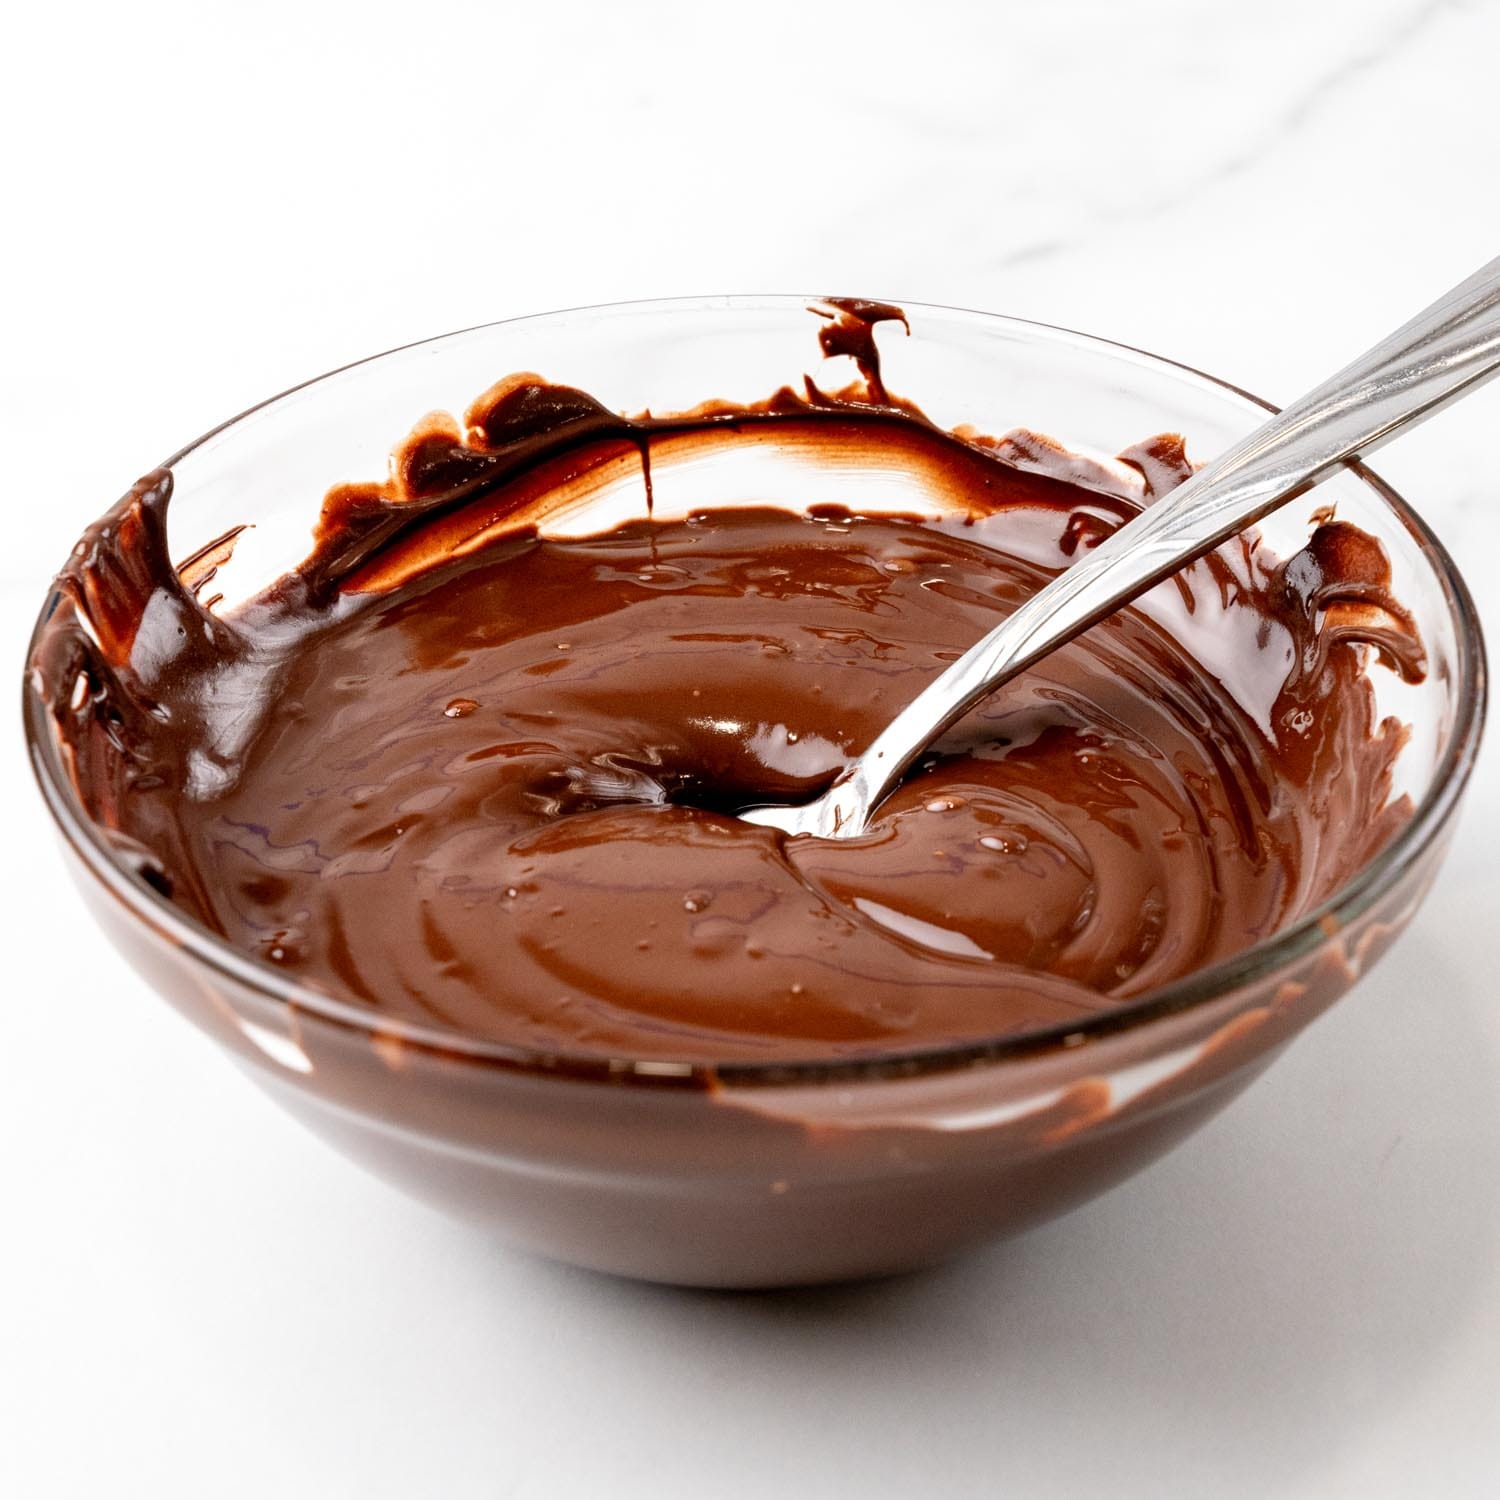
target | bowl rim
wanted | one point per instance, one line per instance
(1354, 897)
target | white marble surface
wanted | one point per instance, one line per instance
(203, 205)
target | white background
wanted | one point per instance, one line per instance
(201, 204)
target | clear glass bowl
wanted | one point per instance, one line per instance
(755, 1175)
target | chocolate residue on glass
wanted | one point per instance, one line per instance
(465, 772)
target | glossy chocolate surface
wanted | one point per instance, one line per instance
(463, 770)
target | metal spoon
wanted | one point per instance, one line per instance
(1442, 354)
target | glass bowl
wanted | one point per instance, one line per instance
(745, 1175)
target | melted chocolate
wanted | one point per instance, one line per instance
(465, 772)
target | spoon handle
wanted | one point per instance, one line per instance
(1438, 356)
